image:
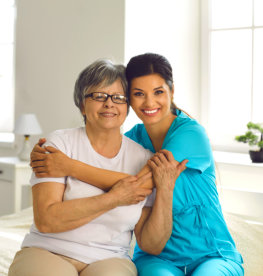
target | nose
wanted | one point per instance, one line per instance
(108, 103)
(149, 100)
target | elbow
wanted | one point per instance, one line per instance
(43, 228)
(43, 225)
(151, 249)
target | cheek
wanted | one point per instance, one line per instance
(90, 110)
(167, 100)
(134, 102)
(123, 111)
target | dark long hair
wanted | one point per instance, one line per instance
(150, 63)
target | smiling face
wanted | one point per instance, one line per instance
(151, 98)
(105, 115)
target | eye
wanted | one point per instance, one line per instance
(118, 97)
(138, 94)
(158, 92)
(99, 96)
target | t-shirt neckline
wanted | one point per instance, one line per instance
(117, 156)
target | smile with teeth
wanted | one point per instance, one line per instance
(150, 111)
(107, 114)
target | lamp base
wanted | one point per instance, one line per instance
(24, 154)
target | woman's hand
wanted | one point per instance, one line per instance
(49, 161)
(165, 169)
(128, 190)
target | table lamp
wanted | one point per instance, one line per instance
(27, 124)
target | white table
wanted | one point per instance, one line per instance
(240, 183)
(14, 176)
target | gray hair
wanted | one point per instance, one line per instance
(101, 72)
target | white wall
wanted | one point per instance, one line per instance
(186, 61)
(55, 40)
(170, 28)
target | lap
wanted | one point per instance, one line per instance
(109, 267)
(32, 261)
(218, 267)
(154, 266)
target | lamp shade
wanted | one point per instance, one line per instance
(27, 124)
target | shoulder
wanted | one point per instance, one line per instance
(64, 138)
(136, 133)
(66, 132)
(184, 127)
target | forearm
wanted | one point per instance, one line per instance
(157, 229)
(149, 183)
(103, 179)
(67, 215)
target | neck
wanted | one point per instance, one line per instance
(107, 143)
(158, 131)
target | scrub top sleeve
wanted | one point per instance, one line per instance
(56, 141)
(193, 144)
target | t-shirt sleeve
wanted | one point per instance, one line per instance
(192, 143)
(150, 199)
(57, 141)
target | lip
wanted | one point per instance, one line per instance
(108, 114)
(150, 112)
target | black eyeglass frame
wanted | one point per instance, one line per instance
(90, 95)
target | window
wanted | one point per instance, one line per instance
(232, 66)
(7, 18)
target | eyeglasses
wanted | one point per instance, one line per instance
(103, 97)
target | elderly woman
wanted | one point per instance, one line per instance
(78, 228)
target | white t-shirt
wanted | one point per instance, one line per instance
(108, 235)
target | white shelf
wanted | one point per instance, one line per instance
(234, 158)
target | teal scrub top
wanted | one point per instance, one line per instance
(199, 228)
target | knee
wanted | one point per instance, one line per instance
(109, 267)
(218, 267)
(157, 270)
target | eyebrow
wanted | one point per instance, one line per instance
(158, 87)
(153, 89)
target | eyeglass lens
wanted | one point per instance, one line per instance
(102, 97)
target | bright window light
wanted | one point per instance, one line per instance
(234, 86)
(258, 12)
(231, 13)
(230, 84)
(258, 81)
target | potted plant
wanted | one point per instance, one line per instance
(254, 137)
